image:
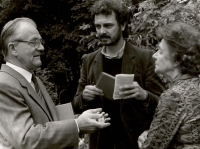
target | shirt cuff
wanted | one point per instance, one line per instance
(77, 125)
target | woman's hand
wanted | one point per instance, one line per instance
(142, 138)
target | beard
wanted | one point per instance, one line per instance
(106, 40)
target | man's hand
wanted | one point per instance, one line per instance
(142, 138)
(90, 92)
(133, 91)
(88, 120)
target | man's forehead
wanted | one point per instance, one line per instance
(25, 25)
(27, 30)
(103, 18)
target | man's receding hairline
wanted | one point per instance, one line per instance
(22, 26)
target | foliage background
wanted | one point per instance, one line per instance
(67, 28)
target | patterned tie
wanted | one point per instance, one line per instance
(35, 83)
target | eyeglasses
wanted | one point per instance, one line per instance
(35, 43)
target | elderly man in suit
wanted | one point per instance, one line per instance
(132, 114)
(28, 116)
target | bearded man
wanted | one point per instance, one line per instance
(132, 114)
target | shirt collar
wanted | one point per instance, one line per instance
(27, 75)
(117, 56)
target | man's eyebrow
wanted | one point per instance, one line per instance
(36, 38)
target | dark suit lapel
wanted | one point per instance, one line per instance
(128, 62)
(24, 83)
(98, 65)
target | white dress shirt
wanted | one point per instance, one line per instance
(26, 74)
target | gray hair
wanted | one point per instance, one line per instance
(9, 33)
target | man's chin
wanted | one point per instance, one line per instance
(38, 63)
(106, 43)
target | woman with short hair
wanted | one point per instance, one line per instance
(176, 123)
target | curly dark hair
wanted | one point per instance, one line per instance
(106, 7)
(184, 41)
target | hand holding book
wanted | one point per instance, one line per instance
(110, 84)
(133, 90)
(120, 80)
(90, 92)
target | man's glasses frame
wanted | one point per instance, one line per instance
(36, 43)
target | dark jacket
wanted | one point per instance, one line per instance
(136, 115)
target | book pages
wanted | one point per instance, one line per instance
(121, 79)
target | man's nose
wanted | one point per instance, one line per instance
(102, 31)
(41, 47)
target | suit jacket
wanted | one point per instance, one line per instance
(136, 115)
(25, 121)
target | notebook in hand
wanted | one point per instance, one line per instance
(110, 84)
(106, 83)
(120, 80)
(65, 111)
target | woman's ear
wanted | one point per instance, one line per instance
(174, 60)
(11, 49)
(176, 63)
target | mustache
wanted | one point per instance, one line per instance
(103, 36)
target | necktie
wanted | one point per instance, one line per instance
(37, 89)
(35, 83)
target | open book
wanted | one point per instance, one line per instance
(110, 84)
(122, 79)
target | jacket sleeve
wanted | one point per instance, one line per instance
(170, 113)
(19, 129)
(78, 103)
